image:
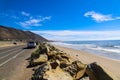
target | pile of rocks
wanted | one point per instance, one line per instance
(52, 64)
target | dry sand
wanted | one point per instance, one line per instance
(109, 65)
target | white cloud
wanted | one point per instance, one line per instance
(25, 19)
(34, 21)
(68, 35)
(31, 22)
(25, 14)
(98, 17)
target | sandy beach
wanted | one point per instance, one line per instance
(109, 65)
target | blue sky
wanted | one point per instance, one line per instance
(64, 19)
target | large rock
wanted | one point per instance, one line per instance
(52, 53)
(39, 72)
(95, 72)
(76, 69)
(54, 64)
(42, 58)
(81, 68)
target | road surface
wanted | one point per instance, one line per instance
(13, 63)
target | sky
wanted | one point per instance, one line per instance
(64, 20)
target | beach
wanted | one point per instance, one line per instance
(111, 66)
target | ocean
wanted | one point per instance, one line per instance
(105, 48)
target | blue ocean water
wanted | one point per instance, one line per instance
(106, 48)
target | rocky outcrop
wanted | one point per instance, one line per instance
(52, 64)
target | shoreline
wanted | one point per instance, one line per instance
(98, 55)
(111, 66)
(108, 50)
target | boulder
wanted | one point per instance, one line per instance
(54, 64)
(42, 58)
(81, 68)
(64, 64)
(39, 72)
(52, 53)
(79, 65)
(71, 69)
(95, 72)
(76, 69)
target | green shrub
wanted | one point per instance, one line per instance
(35, 54)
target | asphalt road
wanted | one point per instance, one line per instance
(12, 60)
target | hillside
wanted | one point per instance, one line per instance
(7, 33)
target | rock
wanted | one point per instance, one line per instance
(81, 68)
(63, 65)
(43, 49)
(79, 74)
(47, 49)
(57, 74)
(54, 64)
(62, 58)
(71, 69)
(65, 57)
(76, 69)
(42, 58)
(52, 53)
(38, 74)
(95, 72)
(79, 65)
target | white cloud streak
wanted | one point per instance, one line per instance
(68, 35)
(34, 21)
(31, 22)
(25, 19)
(98, 17)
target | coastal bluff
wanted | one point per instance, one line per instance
(50, 63)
